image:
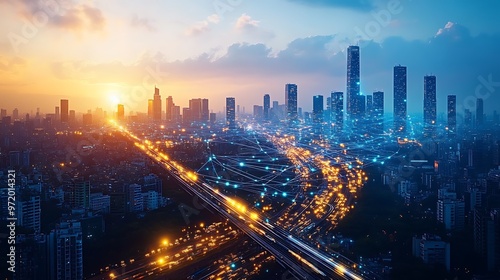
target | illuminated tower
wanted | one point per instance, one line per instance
(157, 105)
(231, 112)
(150, 109)
(318, 109)
(430, 107)
(452, 114)
(291, 102)
(400, 97)
(337, 107)
(378, 110)
(120, 115)
(267, 105)
(353, 83)
(169, 108)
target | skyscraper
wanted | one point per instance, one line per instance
(369, 105)
(479, 112)
(378, 110)
(120, 115)
(318, 108)
(231, 112)
(337, 110)
(195, 109)
(267, 106)
(169, 108)
(400, 98)
(150, 109)
(452, 114)
(64, 110)
(80, 194)
(157, 105)
(66, 245)
(205, 112)
(430, 101)
(353, 83)
(58, 114)
(291, 102)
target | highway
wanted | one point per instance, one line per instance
(303, 261)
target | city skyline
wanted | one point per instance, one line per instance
(313, 57)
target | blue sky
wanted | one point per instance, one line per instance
(88, 50)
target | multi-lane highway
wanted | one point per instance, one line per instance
(304, 261)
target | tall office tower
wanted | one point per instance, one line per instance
(168, 109)
(400, 98)
(157, 105)
(337, 110)
(57, 113)
(378, 110)
(80, 195)
(176, 114)
(72, 115)
(65, 244)
(231, 112)
(195, 109)
(452, 114)
(187, 117)
(29, 212)
(205, 112)
(135, 200)
(213, 118)
(369, 105)
(15, 114)
(451, 213)
(361, 106)
(353, 83)
(120, 114)
(486, 232)
(291, 102)
(318, 108)
(150, 109)
(267, 106)
(64, 110)
(258, 112)
(479, 112)
(3, 113)
(430, 101)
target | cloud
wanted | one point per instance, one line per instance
(12, 64)
(64, 14)
(142, 23)
(245, 24)
(318, 68)
(202, 26)
(362, 5)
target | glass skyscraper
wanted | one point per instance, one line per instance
(291, 102)
(400, 98)
(231, 112)
(353, 84)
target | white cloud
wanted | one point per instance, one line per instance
(246, 22)
(203, 26)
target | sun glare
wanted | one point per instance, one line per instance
(114, 98)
